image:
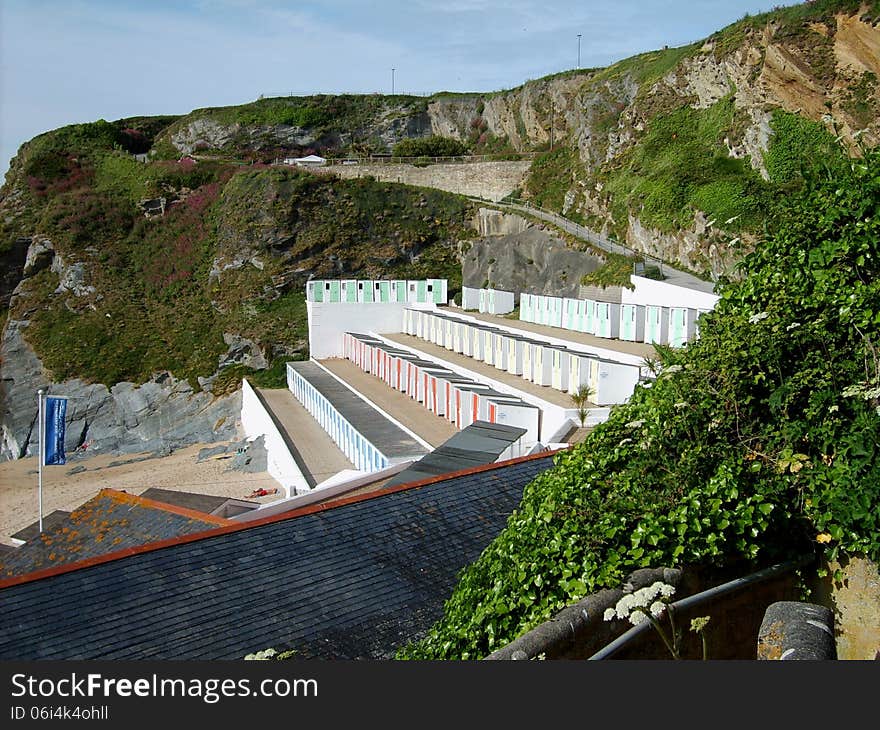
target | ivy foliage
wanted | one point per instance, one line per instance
(756, 442)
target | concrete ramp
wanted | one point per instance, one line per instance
(313, 450)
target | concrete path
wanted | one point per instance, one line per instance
(320, 455)
(435, 352)
(639, 349)
(412, 414)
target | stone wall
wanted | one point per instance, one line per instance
(488, 180)
(579, 631)
(734, 623)
(855, 600)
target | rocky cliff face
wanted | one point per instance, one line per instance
(820, 61)
(817, 63)
(280, 127)
(514, 254)
(602, 112)
(156, 416)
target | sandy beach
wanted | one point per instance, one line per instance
(133, 473)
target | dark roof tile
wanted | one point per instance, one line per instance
(354, 580)
(106, 523)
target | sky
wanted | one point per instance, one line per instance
(71, 61)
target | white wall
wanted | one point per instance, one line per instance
(499, 301)
(660, 293)
(616, 383)
(281, 465)
(329, 321)
(470, 298)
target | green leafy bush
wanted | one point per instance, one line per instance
(756, 442)
(433, 146)
(797, 143)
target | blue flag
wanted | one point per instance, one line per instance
(56, 409)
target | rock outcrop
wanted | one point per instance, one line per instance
(161, 415)
(517, 255)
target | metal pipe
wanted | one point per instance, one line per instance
(699, 598)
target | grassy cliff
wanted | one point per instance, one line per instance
(655, 148)
(230, 254)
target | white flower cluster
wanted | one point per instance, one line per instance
(755, 318)
(636, 424)
(264, 655)
(636, 606)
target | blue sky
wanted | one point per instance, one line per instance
(69, 61)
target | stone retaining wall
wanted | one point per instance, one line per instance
(489, 180)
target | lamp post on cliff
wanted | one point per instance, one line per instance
(579, 50)
(392, 82)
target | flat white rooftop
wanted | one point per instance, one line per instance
(639, 349)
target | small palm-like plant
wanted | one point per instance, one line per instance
(580, 398)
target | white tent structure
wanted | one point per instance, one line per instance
(307, 161)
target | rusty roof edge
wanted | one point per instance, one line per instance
(122, 496)
(241, 526)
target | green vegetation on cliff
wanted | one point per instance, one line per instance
(433, 146)
(324, 112)
(231, 254)
(758, 441)
(682, 165)
(551, 176)
(649, 144)
(331, 124)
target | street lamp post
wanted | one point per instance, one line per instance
(392, 82)
(579, 50)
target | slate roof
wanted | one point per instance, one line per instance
(49, 521)
(218, 506)
(479, 443)
(354, 579)
(199, 502)
(109, 522)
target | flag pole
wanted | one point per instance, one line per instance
(40, 457)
